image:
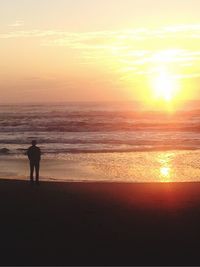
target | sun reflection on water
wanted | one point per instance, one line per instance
(165, 169)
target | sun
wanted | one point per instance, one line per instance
(165, 87)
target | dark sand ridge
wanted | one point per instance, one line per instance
(99, 223)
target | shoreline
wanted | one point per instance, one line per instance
(176, 166)
(103, 182)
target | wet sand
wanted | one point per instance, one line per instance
(99, 223)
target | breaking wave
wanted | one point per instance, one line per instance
(75, 128)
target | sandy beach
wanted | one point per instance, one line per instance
(134, 167)
(99, 223)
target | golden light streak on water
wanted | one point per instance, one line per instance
(165, 170)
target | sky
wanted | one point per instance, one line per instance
(99, 50)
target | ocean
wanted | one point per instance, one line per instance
(103, 141)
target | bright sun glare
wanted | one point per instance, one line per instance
(165, 86)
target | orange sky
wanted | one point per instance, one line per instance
(92, 50)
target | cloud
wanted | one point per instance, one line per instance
(101, 39)
(132, 50)
(17, 23)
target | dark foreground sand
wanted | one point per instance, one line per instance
(99, 224)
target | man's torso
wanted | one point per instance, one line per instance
(34, 153)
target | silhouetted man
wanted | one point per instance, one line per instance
(34, 155)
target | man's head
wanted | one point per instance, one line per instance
(34, 142)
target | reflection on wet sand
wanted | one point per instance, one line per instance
(165, 170)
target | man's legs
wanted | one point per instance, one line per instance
(37, 169)
(31, 171)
